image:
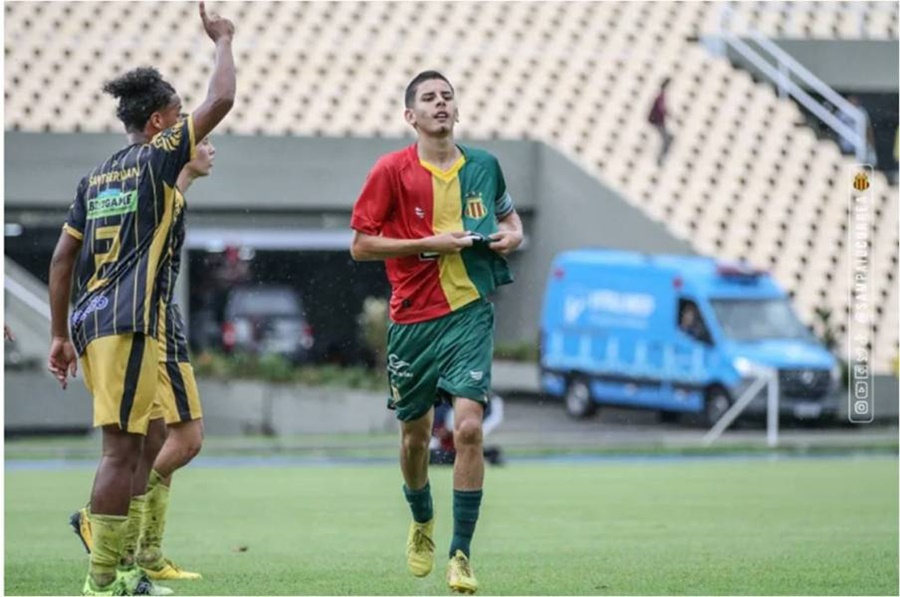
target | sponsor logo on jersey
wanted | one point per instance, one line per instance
(112, 202)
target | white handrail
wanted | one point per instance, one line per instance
(736, 409)
(31, 300)
(800, 94)
(786, 67)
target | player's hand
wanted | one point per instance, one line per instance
(7, 333)
(505, 241)
(216, 27)
(63, 361)
(450, 242)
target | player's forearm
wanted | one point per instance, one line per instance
(512, 223)
(221, 92)
(375, 248)
(185, 180)
(60, 288)
(223, 83)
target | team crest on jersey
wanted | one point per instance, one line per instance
(169, 139)
(475, 209)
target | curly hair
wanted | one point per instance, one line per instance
(140, 92)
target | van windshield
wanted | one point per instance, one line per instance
(750, 320)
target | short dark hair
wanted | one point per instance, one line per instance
(140, 92)
(423, 76)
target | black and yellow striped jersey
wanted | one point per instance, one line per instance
(171, 336)
(123, 214)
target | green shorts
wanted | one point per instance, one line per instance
(441, 358)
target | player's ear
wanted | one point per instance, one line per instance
(156, 120)
(410, 117)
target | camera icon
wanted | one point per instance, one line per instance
(861, 407)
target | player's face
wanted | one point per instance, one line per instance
(203, 163)
(434, 111)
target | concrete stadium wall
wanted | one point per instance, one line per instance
(251, 173)
(863, 66)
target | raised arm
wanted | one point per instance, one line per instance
(222, 84)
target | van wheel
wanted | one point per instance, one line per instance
(717, 404)
(579, 403)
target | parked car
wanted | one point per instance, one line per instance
(677, 334)
(267, 320)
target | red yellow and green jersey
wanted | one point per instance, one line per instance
(407, 198)
(123, 213)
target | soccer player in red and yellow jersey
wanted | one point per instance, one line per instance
(114, 241)
(440, 216)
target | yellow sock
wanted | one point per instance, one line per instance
(154, 523)
(133, 528)
(108, 532)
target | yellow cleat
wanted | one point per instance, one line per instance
(460, 576)
(169, 570)
(81, 522)
(420, 548)
(116, 587)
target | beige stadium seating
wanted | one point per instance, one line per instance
(744, 178)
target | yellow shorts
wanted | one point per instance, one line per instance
(177, 398)
(120, 372)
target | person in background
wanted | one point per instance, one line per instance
(658, 116)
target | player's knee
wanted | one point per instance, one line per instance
(189, 445)
(191, 449)
(415, 442)
(125, 461)
(468, 432)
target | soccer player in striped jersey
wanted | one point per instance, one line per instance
(114, 241)
(177, 406)
(441, 218)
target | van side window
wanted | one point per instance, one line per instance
(690, 321)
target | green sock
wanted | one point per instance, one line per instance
(465, 514)
(108, 532)
(154, 523)
(132, 529)
(420, 502)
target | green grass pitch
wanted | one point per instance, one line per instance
(728, 526)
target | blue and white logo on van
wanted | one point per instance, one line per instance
(630, 304)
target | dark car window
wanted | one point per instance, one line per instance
(690, 321)
(264, 302)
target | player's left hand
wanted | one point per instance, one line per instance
(7, 334)
(63, 361)
(505, 241)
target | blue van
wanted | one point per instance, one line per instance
(676, 334)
